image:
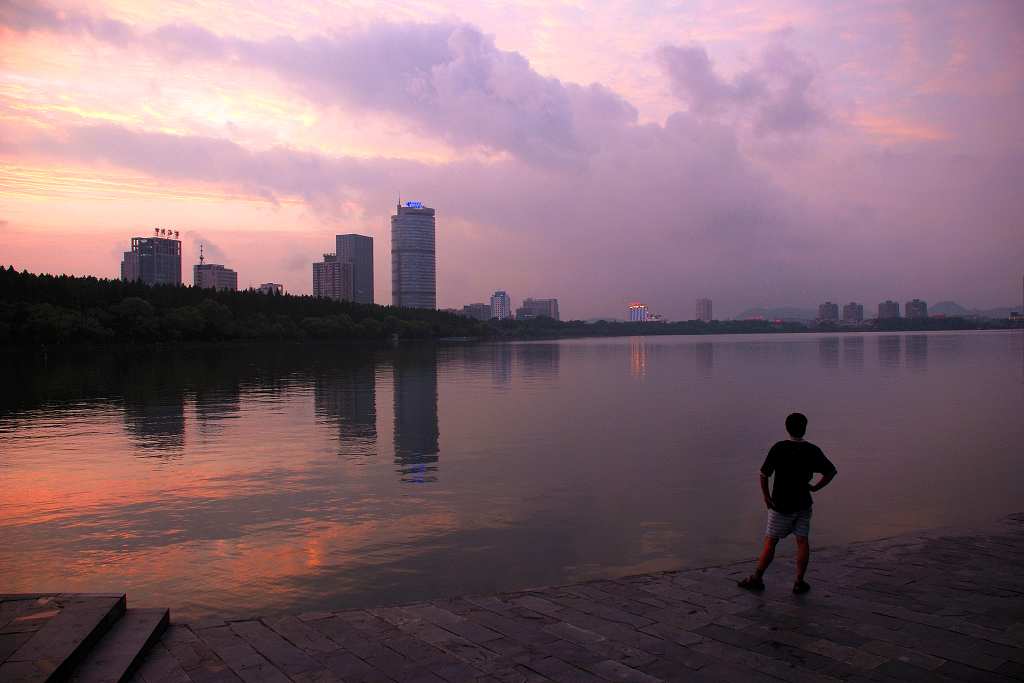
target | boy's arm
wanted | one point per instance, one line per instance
(764, 490)
(824, 481)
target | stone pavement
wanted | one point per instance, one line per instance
(933, 606)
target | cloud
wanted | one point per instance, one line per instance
(447, 79)
(777, 94)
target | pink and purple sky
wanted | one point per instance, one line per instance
(599, 152)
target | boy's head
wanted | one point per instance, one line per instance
(796, 425)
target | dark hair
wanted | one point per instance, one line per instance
(796, 425)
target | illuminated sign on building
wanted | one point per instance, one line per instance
(414, 205)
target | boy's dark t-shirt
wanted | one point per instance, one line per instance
(794, 463)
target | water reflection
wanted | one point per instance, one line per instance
(154, 406)
(705, 357)
(853, 352)
(538, 360)
(828, 352)
(501, 364)
(347, 397)
(416, 426)
(637, 356)
(889, 350)
(917, 351)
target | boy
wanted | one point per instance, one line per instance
(794, 463)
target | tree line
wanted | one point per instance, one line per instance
(62, 309)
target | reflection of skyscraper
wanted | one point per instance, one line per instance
(705, 356)
(889, 351)
(155, 419)
(637, 356)
(416, 426)
(917, 351)
(828, 352)
(347, 395)
(501, 363)
(538, 360)
(853, 352)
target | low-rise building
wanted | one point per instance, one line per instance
(480, 311)
(270, 288)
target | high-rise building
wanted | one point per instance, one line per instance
(358, 251)
(915, 310)
(213, 275)
(828, 312)
(154, 260)
(477, 311)
(638, 312)
(271, 288)
(853, 313)
(332, 279)
(888, 310)
(704, 310)
(413, 257)
(501, 305)
(538, 308)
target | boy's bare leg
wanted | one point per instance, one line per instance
(767, 555)
(803, 556)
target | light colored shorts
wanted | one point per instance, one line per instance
(782, 524)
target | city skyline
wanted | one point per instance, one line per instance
(762, 156)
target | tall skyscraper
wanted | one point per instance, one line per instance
(413, 257)
(853, 313)
(213, 275)
(358, 250)
(828, 312)
(704, 310)
(501, 305)
(638, 313)
(888, 310)
(332, 278)
(538, 308)
(915, 310)
(154, 260)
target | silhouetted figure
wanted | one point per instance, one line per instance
(793, 462)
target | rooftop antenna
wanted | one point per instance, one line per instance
(200, 254)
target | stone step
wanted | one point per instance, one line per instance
(51, 653)
(123, 647)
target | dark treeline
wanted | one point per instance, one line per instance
(61, 309)
(49, 309)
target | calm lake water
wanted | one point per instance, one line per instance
(264, 479)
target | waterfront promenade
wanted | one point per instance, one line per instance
(933, 606)
(943, 605)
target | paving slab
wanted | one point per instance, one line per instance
(942, 605)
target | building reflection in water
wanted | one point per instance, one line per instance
(638, 357)
(705, 358)
(828, 352)
(853, 352)
(416, 424)
(156, 421)
(501, 363)
(538, 360)
(917, 351)
(889, 350)
(347, 397)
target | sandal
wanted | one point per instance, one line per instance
(751, 583)
(801, 587)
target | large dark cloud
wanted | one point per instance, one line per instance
(777, 93)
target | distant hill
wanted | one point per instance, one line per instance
(948, 308)
(787, 313)
(952, 309)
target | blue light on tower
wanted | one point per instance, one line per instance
(414, 205)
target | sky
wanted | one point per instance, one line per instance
(599, 152)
